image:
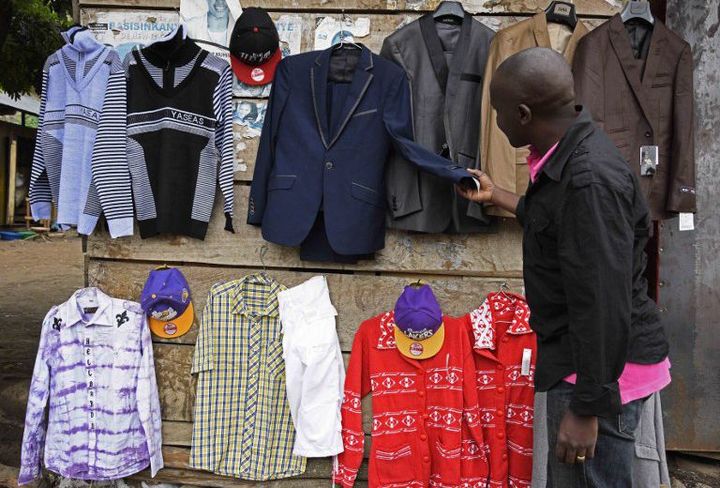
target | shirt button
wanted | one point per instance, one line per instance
(500, 367)
(426, 459)
(505, 339)
(426, 416)
(501, 389)
(500, 413)
(423, 437)
(421, 394)
(500, 435)
(504, 456)
(329, 165)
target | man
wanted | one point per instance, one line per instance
(601, 348)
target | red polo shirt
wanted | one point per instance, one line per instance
(426, 429)
(501, 336)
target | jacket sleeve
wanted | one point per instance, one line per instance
(33, 442)
(397, 115)
(357, 385)
(148, 400)
(589, 82)
(401, 180)
(110, 170)
(595, 250)
(474, 462)
(222, 106)
(681, 190)
(40, 192)
(279, 94)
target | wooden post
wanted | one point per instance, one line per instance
(12, 171)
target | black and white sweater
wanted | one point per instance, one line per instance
(179, 136)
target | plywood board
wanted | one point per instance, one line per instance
(490, 255)
(357, 297)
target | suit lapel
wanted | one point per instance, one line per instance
(435, 49)
(632, 69)
(457, 64)
(658, 39)
(318, 83)
(359, 85)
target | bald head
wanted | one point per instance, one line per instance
(530, 87)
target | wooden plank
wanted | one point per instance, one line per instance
(490, 255)
(584, 7)
(357, 297)
(317, 468)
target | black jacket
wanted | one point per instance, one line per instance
(586, 224)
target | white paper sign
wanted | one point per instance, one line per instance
(687, 221)
(124, 29)
(330, 31)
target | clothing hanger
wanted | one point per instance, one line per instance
(504, 290)
(637, 10)
(449, 10)
(418, 284)
(562, 13)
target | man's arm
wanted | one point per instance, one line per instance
(489, 193)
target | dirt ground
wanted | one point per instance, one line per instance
(35, 275)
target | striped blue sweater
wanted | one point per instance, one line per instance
(76, 117)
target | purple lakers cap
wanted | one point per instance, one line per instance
(166, 301)
(419, 331)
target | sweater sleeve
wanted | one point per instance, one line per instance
(110, 170)
(40, 193)
(222, 106)
(357, 385)
(35, 419)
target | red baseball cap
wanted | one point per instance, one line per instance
(255, 47)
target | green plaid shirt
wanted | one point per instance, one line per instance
(243, 426)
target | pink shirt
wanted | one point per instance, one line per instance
(536, 161)
(637, 380)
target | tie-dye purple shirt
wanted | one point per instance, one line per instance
(95, 370)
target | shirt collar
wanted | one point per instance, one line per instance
(102, 316)
(387, 331)
(270, 288)
(483, 323)
(536, 161)
(578, 131)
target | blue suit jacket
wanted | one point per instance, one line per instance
(305, 165)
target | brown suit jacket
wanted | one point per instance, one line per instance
(650, 108)
(506, 165)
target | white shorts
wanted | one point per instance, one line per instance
(313, 367)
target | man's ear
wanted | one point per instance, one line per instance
(524, 114)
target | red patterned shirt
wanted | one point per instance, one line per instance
(425, 426)
(502, 338)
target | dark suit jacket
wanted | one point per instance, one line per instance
(446, 101)
(304, 165)
(637, 108)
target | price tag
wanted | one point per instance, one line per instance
(687, 221)
(526, 361)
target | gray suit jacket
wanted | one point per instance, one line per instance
(446, 98)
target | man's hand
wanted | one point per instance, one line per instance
(576, 438)
(484, 194)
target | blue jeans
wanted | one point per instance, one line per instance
(614, 452)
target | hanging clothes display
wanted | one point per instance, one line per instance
(179, 136)
(426, 429)
(505, 164)
(314, 367)
(349, 108)
(95, 371)
(505, 353)
(243, 425)
(637, 81)
(445, 63)
(83, 97)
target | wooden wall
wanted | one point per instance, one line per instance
(461, 269)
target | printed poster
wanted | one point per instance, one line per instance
(248, 118)
(330, 31)
(126, 29)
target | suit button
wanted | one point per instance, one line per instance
(329, 165)
(648, 134)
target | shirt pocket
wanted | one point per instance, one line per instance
(394, 463)
(543, 235)
(275, 361)
(447, 462)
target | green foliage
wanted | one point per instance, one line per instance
(29, 33)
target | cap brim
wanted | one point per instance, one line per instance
(170, 329)
(424, 349)
(256, 75)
